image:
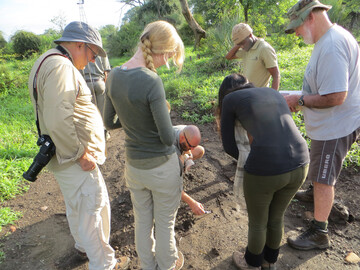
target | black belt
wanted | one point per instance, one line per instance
(95, 80)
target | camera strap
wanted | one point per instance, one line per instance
(63, 53)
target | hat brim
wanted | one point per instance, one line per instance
(101, 51)
(300, 20)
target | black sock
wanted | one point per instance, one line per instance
(271, 255)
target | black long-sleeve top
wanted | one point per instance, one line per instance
(277, 146)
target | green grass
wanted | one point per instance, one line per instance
(7, 216)
(2, 256)
(18, 134)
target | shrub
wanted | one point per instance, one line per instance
(2, 41)
(25, 43)
(125, 40)
(6, 80)
(47, 41)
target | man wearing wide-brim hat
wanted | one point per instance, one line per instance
(258, 57)
(330, 103)
(63, 107)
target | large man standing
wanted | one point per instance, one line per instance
(259, 58)
(330, 102)
(64, 111)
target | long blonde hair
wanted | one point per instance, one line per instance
(160, 37)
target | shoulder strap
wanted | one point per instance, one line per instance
(35, 94)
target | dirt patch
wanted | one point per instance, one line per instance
(42, 240)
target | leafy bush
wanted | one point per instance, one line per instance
(2, 41)
(6, 80)
(25, 43)
(125, 40)
(218, 38)
(281, 41)
(47, 41)
(13, 74)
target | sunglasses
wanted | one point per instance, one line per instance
(94, 53)
(188, 141)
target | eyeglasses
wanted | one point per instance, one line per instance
(188, 141)
(94, 53)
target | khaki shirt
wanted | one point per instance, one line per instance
(97, 69)
(66, 112)
(256, 62)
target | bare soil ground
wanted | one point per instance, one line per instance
(42, 240)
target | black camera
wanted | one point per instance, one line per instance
(46, 152)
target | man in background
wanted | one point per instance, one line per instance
(95, 75)
(259, 58)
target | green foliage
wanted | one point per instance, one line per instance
(2, 256)
(125, 40)
(47, 40)
(18, 135)
(292, 64)
(168, 10)
(13, 74)
(213, 11)
(186, 33)
(352, 159)
(219, 40)
(2, 41)
(106, 33)
(25, 43)
(284, 42)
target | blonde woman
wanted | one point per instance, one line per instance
(135, 94)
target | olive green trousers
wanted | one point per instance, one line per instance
(267, 198)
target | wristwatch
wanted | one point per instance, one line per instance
(301, 101)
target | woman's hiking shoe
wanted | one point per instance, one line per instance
(305, 195)
(240, 262)
(122, 263)
(179, 262)
(313, 238)
(268, 266)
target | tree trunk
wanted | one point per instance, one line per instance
(197, 29)
(246, 10)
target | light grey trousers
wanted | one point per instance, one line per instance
(88, 213)
(155, 195)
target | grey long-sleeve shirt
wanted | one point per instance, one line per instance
(137, 97)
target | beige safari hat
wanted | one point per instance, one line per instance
(299, 12)
(240, 32)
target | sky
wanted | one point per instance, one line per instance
(35, 15)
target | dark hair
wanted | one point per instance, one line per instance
(231, 83)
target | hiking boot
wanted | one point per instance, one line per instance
(122, 263)
(82, 255)
(179, 262)
(240, 262)
(268, 266)
(313, 238)
(305, 195)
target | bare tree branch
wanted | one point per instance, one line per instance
(197, 29)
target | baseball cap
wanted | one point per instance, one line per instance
(240, 32)
(82, 32)
(299, 12)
